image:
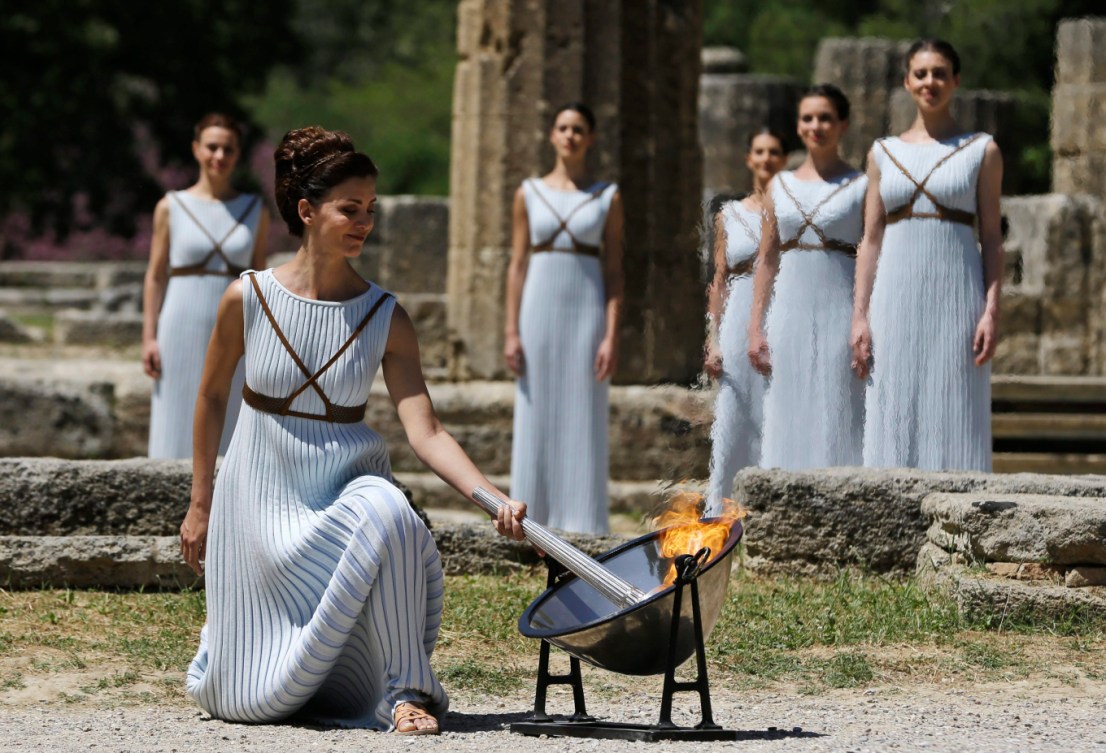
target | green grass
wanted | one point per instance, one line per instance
(809, 635)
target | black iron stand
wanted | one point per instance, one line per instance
(582, 725)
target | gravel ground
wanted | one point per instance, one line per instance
(992, 719)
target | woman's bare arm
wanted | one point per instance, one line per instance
(224, 351)
(764, 281)
(153, 290)
(432, 444)
(606, 359)
(990, 240)
(716, 296)
(867, 260)
(516, 278)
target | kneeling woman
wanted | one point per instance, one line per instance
(324, 589)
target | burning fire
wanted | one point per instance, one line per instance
(687, 533)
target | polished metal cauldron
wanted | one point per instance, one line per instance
(575, 617)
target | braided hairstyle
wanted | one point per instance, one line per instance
(311, 161)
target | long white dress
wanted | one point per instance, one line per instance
(739, 407)
(324, 589)
(187, 317)
(559, 458)
(928, 404)
(814, 406)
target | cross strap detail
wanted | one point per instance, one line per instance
(232, 270)
(824, 244)
(342, 414)
(578, 247)
(907, 211)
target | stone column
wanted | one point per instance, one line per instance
(519, 59)
(868, 70)
(1079, 108)
(732, 105)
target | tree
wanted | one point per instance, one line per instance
(97, 94)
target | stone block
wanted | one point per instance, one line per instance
(1040, 571)
(470, 549)
(1017, 353)
(12, 331)
(53, 497)
(408, 248)
(1021, 313)
(724, 60)
(48, 274)
(1064, 353)
(815, 521)
(58, 418)
(1081, 51)
(93, 562)
(1082, 576)
(428, 313)
(1078, 118)
(1083, 173)
(991, 526)
(731, 107)
(117, 330)
(1004, 569)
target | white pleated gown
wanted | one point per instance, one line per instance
(814, 406)
(559, 456)
(324, 589)
(928, 404)
(188, 311)
(739, 408)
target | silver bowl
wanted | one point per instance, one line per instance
(575, 617)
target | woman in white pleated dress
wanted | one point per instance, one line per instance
(738, 409)
(324, 588)
(802, 298)
(564, 296)
(204, 237)
(925, 321)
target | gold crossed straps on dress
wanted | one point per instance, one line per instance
(745, 266)
(232, 270)
(339, 414)
(906, 211)
(825, 244)
(577, 247)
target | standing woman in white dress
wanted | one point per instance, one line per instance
(564, 296)
(204, 237)
(324, 588)
(802, 298)
(925, 321)
(739, 408)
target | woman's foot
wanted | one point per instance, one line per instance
(413, 719)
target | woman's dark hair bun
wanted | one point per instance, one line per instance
(309, 162)
(834, 94)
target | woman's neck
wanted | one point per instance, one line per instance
(321, 275)
(937, 125)
(825, 163)
(567, 174)
(213, 189)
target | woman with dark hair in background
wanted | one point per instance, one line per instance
(204, 237)
(813, 409)
(738, 410)
(324, 588)
(931, 300)
(564, 295)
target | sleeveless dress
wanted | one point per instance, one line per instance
(198, 277)
(324, 589)
(814, 406)
(559, 460)
(739, 407)
(928, 404)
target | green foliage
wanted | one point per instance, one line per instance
(101, 86)
(784, 37)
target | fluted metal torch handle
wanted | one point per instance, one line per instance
(619, 591)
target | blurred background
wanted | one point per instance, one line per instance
(99, 96)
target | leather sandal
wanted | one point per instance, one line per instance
(405, 714)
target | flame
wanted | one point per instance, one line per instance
(686, 533)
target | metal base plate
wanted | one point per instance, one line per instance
(619, 731)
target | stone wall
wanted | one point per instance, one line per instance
(1052, 318)
(520, 59)
(1079, 108)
